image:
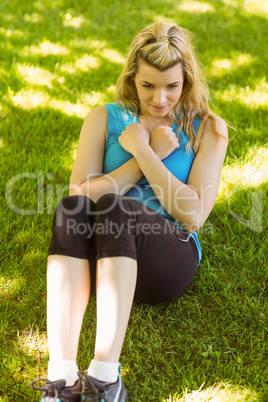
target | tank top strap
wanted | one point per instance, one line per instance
(118, 120)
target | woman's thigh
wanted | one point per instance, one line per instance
(166, 262)
(119, 225)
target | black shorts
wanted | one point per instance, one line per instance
(167, 258)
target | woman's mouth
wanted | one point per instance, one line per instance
(159, 108)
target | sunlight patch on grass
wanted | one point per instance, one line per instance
(8, 286)
(219, 393)
(251, 174)
(220, 66)
(34, 17)
(88, 62)
(265, 7)
(84, 63)
(11, 33)
(256, 6)
(31, 99)
(113, 55)
(69, 108)
(1, 142)
(250, 96)
(93, 99)
(31, 342)
(9, 17)
(111, 90)
(45, 48)
(70, 21)
(196, 7)
(88, 44)
(38, 76)
(161, 17)
(44, 5)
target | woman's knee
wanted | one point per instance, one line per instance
(112, 204)
(107, 202)
(76, 207)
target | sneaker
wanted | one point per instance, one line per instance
(56, 391)
(98, 391)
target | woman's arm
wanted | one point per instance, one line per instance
(87, 176)
(189, 203)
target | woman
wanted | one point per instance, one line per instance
(145, 179)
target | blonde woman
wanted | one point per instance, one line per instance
(145, 179)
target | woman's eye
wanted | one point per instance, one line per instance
(168, 87)
(147, 86)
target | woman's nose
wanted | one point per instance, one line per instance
(159, 97)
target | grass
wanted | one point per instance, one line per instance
(58, 60)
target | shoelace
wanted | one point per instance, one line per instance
(49, 388)
(89, 391)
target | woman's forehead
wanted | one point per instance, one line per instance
(149, 73)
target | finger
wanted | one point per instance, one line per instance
(172, 136)
(169, 129)
(120, 138)
(175, 141)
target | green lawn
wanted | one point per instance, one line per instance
(59, 59)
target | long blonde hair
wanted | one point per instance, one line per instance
(163, 45)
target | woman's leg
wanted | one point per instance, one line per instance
(115, 288)
(116, 282)
(166, 256)
(68, 283)
(68, 288)
(134, 252)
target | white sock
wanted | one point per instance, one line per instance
(63, 370)
(103, 371)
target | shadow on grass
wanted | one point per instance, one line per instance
(221, 34)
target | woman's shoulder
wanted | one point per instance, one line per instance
(214, 136)
(214, 125)
(98, 112)
(105, 110)
(110, 113)
(222, 127)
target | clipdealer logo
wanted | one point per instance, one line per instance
(47, 192)
(254, 220)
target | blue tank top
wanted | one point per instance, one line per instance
(179, 162)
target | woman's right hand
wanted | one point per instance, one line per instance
(163, 141)
(134, 137)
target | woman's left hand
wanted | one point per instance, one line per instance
(134, 137)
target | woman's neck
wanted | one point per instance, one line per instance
(151, 122)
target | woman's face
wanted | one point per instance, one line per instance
(158, 91)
